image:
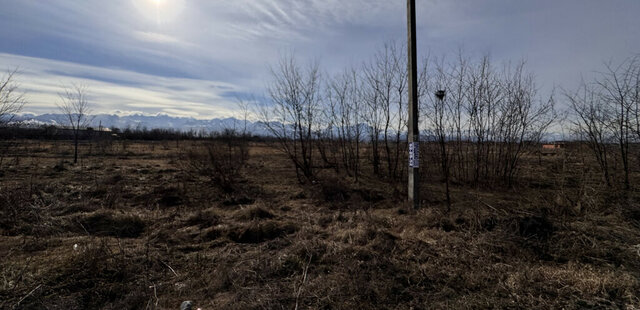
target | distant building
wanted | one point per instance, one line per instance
(553, 148)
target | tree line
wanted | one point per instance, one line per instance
(491, 116)
(482, 127)
(606, 114)
(355, 121)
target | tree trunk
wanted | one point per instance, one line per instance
(75, 152)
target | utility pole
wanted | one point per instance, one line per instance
(413, 131)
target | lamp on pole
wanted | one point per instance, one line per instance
(413, 131)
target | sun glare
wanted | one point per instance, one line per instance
(159, 11)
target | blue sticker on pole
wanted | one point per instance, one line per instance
(414, 154)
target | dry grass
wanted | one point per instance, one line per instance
(150, 234)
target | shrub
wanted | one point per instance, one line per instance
(220, 160)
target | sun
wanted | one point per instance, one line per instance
(158, 4)
(160, 11)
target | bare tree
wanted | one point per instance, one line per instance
(457, 94)
(385, 79)
(401, 84)
(635, 105)
(607, 115)
(440, 121)
(634, 95)
(378, 75)
(373, 117)
(618, 86)
(343, 105)
(487, 121)
(590, 121)
(293, 115)
(11, 100)
(245, 112)
(76, 109)
(484, 96)
(524, 118)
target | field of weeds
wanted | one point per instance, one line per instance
(147, 225)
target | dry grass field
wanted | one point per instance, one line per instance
(133, 227)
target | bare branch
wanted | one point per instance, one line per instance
(11, 100)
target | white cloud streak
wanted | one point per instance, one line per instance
(120, 90)
(137, 54)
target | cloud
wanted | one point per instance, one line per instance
(155, 37)
(167, 54)
(115, 89)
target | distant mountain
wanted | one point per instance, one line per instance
(147, 121)
(164, 121)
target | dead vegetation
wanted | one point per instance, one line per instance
(219, 160)
(147, 232)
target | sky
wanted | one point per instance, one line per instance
(195, 57)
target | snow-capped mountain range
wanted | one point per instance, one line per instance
(146, 121)
(164, 121)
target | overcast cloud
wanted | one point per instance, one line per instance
(192, 57)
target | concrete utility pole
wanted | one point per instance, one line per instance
(413, 132)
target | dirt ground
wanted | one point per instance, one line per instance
(129, 227)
